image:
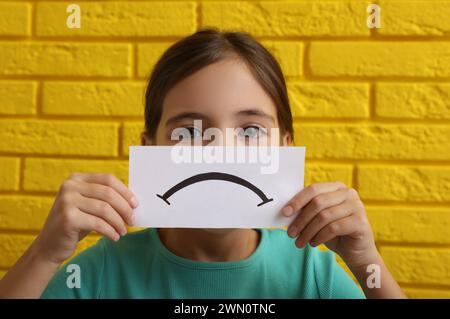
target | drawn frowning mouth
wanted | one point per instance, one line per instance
(215, 176)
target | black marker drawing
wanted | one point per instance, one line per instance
(215, 176)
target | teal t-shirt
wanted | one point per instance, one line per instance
(140, 266)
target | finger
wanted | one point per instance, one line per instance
(103, 210)
(111, 181)
(306, 194)
(314, 207)
(342, 227)
(324, 218)
(89, 222)
(109, 195)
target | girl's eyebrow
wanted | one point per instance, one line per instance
(255, 112)
(184, 116)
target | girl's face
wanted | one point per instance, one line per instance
(222, 95)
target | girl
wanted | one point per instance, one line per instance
(226, 80)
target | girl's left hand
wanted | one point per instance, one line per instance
(332, 214)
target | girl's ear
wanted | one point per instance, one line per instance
(287, 140)
(145, 140)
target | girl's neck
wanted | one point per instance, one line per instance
(210, 245)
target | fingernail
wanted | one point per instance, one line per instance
(287, 211)
(134, 202)
(133, 219)
(123, 232)
(298, 243)
(292, 231)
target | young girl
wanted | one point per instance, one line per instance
(227, 80)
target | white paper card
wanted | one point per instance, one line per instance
(202, 194)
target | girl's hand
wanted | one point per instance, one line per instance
(332, 214)
(85, 202)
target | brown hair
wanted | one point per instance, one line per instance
(206, 47)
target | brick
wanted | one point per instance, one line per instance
(380, 59)
(131, 135)
(374, 141)
(303, 18)
(289, 55)
(59, 59)
(419, 293)
(415, 18)
(147, 56)
(418, 265)
(94, 98)
(48, 174)
(24, 212)
(319, 173)
(404, 183)
(413, 100)
(17, 98)
(12, 246)
(15, 19)
(334, 100)
(410, 224)
(58, 137)
(121, 19)
(9, 173)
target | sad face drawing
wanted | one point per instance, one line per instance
(215, 176)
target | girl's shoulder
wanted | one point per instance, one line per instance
(135, 242)
(280, 246)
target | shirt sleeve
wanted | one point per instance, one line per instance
(332, 280)
(343, 285)
(79, 278)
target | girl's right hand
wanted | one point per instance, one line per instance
(85, 202)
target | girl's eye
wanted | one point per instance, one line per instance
(252, 131)
(193, 132)
(188, 132)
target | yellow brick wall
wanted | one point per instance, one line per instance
(372, 107)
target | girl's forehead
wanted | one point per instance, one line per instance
(226, 86)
